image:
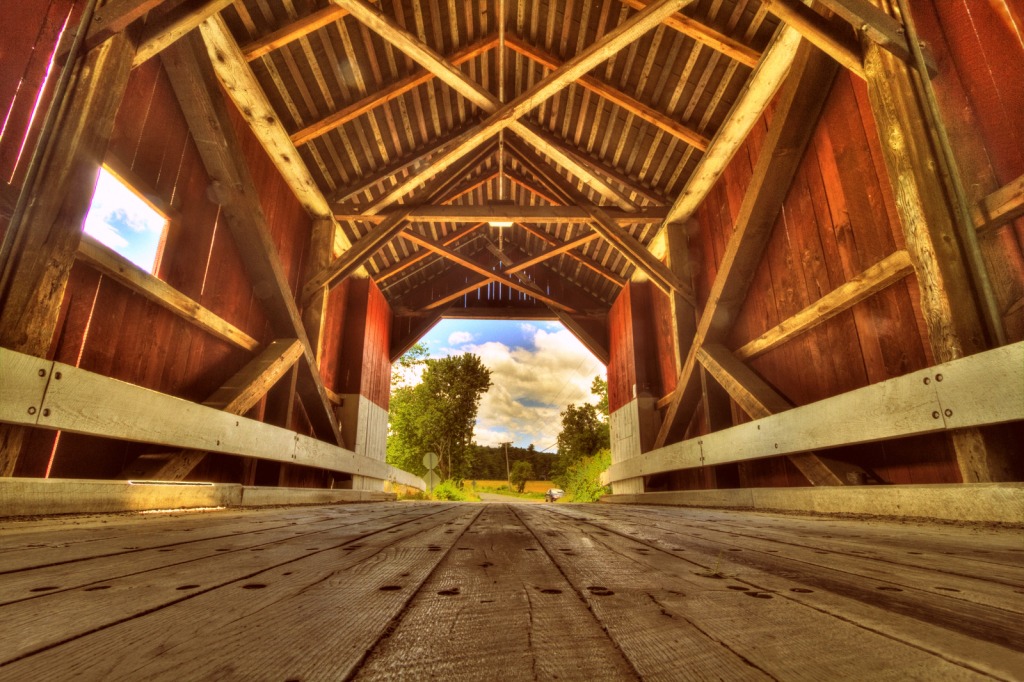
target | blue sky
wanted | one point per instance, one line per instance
(537, 368)
(121, 220)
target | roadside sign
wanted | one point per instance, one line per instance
(430, 460)
(431, 479)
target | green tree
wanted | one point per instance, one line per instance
(437, 415)
(583, 434)
(407, 366)
(599, 387)
(522, 471)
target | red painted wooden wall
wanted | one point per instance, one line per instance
(107, 329)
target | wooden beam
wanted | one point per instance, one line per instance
(592, 172)
(237, 396)
(614, 95)
(418, 325)
(393, 91)
(593, 334)
(415, 160)
(123, 271)
(879, 27)
(1000, 207)
(948, 302)
(473, 266)
(733, 49)
(46, 240)
(195, 84)
(982, 389)
(114, 17)
(292, 32)
(552, 252)
(603, 224)
(789, 132)
(504, 115)
(829, 36)
(886, 272)
(403, 265)
(244, 89)
(78, 401)
(162, 32)
(321, 249)
(745, 112)
(354, 258)
(759, 400)
(483, 213)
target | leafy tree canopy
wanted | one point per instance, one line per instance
(437, 415)
(583, 434)
(522, 471)
(599, 387)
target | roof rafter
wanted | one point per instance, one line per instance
(506, 115)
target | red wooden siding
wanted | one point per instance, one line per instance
(837, 220)
(621, 365)
(31, 31)
(635, 346)
(363, 365)
(107, 329)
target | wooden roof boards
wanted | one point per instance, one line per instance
(377, 99)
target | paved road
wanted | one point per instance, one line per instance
(491, 497)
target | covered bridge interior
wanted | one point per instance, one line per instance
(792, 231)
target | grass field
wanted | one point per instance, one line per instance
(531, 486)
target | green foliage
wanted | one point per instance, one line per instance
(437, 415)
(521, 473)
(599, 387)
(489, 462)
(583, 434)
(406, 368)
(449, 491)
(582, 481)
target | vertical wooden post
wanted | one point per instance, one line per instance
(52, 225)
(320, 252)
(948, 303)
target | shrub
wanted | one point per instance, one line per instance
(582, 480)
(449, 491)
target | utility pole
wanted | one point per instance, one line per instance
(508, 472)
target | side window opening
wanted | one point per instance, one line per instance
(124, 221)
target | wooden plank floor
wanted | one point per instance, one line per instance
(507, 592)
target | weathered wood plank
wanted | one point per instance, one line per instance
(345, 562)
(505, 115)
(1000, 207)
(495, 603)
(194, 81)
(913, 619)
(789, 132)
(879, 27)
(688, 26)
(759, 400)
(154, 289)
(949, 302)
(827, 35)
(879, 276)
(166, 30)
(647, 596)
(46, 240)
(134, 413)
(292, 32)
(486, 212)
(988, 389)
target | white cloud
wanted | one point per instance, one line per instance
(104, 232)
(530, 388)
(460, 338)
